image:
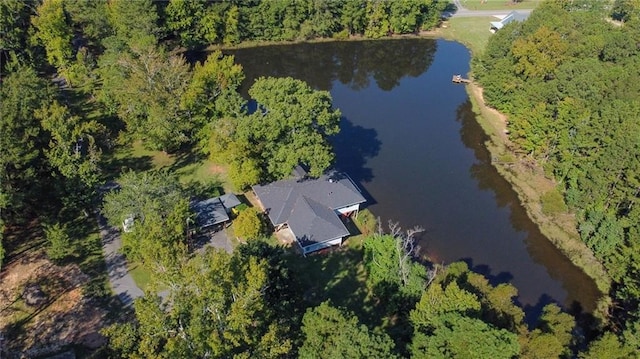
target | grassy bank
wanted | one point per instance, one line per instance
(526, 177)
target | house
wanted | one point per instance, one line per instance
(311, 207)
(214, 210)
(511, 17)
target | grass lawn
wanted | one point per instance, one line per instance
(140, 275)
(499, 4)
(473, 32)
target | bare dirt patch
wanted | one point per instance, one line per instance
(65, 316)
(216, 169)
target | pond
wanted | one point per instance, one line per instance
(411, 141)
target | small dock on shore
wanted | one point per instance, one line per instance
(458, 79)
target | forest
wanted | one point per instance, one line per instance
(568, 80)
(82, 82)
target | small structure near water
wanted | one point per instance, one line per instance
(458, 79)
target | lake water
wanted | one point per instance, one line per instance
(411, 141)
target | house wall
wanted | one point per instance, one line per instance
(319, 246)
(349, 209)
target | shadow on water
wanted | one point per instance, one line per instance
(356, 145)
(353, 63)
(581, 290)
(485, 270)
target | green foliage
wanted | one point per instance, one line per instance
(290, 127)
(392, 273)
(72, 149)
(294, 120)
(160, 212)
(54, 32)
(457, 336)
(249, 224)
(59, 243)
(212, 92)
(140, 195)
(145, 87)
(613, 346)
(135, 23)
(331, 333)
(14, 25)
(568, 83)
(436, 301)
(553, 203)
(22, 164)
(230, 291)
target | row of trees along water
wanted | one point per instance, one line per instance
(569, 80)
(120, 79)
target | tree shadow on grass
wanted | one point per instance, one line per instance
(337, 276)
(113, 166)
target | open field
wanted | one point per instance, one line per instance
(473, 32)
(499, 4)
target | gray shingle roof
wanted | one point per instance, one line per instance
(332, 190)
(311, 222)
(209, 212)
(307, 205)
(229, 200)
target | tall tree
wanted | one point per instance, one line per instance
(145, 87)
(135, 23)
(293, 122)
(53, 31)
(217, 309)
(22, 142)
(14, 26)
(331, 333)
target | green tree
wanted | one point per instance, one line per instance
(90, 19)
(139, 195)
(538, 55)
(391, 269)
(145, 88)
(332, 333)
(135, 23)
(217, 309)
(249, 224)
(54, 32)
(59, 243)
(14, 26)
(22, 163)
(354, 15)
(293, 122)
(72, 149)
(457, 336)
(377, 19)
(212, 92)
(436, 301)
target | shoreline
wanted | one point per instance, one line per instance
(526, 177)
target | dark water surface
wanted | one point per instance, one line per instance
(411, 141)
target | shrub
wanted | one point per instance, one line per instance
(553, 203)
(249, 224)
(59, 242)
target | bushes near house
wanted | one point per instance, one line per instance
(249, 224)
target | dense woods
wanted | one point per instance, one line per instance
(568, 80)
(82, 78)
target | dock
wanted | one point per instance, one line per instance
(460, 80)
